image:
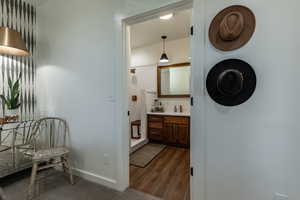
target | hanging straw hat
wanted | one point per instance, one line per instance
(232, 28)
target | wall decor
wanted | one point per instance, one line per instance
(20, 15)
(231, 82)
(232, 28)
(134, 98)
(132, 71)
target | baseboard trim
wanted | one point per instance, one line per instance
(96, 178)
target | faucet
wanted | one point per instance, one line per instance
(181, 108)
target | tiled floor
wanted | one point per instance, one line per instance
(55, 186)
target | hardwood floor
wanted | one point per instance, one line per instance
(167, 176)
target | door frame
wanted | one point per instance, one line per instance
(197, 65)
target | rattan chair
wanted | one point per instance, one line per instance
(21, 135)
(2, 146)
(50, 149)
(24, 135)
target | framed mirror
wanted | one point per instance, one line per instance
(173, 81)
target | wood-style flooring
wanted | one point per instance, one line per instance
(166, 177)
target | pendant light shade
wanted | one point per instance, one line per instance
(164, 58)
(11, 43)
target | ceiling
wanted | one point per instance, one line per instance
(150, 32)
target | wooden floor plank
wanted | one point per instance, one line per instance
(167, 176)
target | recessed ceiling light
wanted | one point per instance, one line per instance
(166, 17)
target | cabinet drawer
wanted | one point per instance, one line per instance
(155, 134)
(155, 125)
(177, 120)
(153, 118)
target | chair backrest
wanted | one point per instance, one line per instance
(24, 132)
(50, 133)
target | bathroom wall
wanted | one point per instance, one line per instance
(20, 15)
(148, 56)
(143, 83)
(178, 52)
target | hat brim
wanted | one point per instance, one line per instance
(249, 82)
(249, 28)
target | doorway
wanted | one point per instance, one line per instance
(159, 102)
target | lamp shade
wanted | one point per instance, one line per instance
(11, 43)
(164, 58)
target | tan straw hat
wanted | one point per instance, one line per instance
(232, 28)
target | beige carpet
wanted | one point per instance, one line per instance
(144, 156)
(55, 186)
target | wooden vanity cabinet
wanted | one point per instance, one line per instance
(155, 128)
(171, 130)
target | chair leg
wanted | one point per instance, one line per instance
(67, 164)
(64, 168)
(32, 180)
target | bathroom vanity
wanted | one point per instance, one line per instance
(169, 128)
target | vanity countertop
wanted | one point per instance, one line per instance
(185, 114)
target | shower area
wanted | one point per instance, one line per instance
(142, 92)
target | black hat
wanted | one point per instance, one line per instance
(231, 82)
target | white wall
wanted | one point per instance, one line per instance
(178, 51)
(148, 56)
(76, 78)
(143, 83)
(252, 150)
(78, 74)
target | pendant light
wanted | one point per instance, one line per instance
(164, 58)
(11, 43)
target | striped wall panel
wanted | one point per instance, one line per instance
(20, 15)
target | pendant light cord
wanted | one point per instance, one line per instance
(164, 43)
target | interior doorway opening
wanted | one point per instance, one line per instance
(159, 88)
